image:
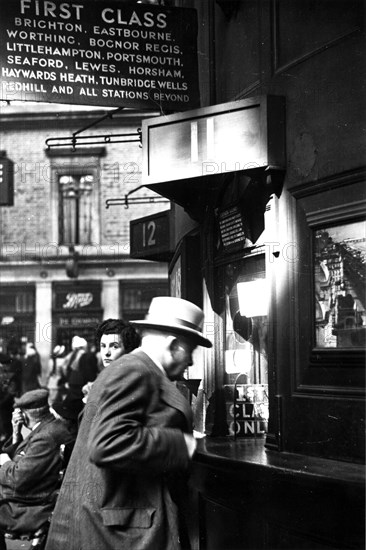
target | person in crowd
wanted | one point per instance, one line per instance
(15, 366)
(79, 346)
(80, 366)
(114, 338)
(134, 438)
(55, 382)
(30, 467)
(8, 391)
(67, 411)
(31, 368)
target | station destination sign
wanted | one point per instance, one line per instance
(100, 52)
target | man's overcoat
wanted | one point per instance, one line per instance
(30, 480)
(115, 492)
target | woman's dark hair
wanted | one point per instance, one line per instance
(130, 337)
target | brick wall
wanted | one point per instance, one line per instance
(28, 222)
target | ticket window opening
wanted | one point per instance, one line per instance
(246, 324)
(246, 363)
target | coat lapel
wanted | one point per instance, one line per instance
(174, 398)
(169, 393)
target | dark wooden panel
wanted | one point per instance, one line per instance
(250, 499)
(214, 536)
(322, 388)
(302, 29)
(281, 537)
(237, 60)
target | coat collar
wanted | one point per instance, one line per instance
(169, 391)
(45, 421)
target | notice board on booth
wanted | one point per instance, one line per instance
(99, 52)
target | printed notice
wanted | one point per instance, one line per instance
(95, 52)
(231, 227)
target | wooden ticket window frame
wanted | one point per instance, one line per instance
(187, 260)
(316, 210)
(317, 397)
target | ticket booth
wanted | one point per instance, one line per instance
(254, 261)
(223, 165)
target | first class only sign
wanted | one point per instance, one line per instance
(96, 52)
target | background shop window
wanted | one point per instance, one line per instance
(76, 311)
(75, 209)
(16, 300)
(17, 316)
(135, 299)
(24, 302)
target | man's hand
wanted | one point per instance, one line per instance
(17, 421)
(86, 389)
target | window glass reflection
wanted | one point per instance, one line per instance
(339, 277)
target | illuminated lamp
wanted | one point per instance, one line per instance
(253, 298)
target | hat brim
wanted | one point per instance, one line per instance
(192, 334)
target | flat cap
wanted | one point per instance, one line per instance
(34, 399)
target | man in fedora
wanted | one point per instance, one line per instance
(135, 434)
(30, 467)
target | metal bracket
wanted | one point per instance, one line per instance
(76, 140)
(126, 201)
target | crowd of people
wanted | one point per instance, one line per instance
(105, 460)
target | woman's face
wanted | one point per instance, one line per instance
(111, 347)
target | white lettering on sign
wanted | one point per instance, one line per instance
(110, 15)
(75, 300)
(148, 234)
(50, 9)
(120, 52)
(248, 427)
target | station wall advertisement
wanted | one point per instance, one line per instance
(97, 52)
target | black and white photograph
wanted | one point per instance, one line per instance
(182, 274)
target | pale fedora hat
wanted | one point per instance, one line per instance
(176, 315)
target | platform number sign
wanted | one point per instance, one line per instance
(150, 237)
(6, 181)
(149, 233)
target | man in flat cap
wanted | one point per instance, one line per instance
(135, 435)
(30, 467)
